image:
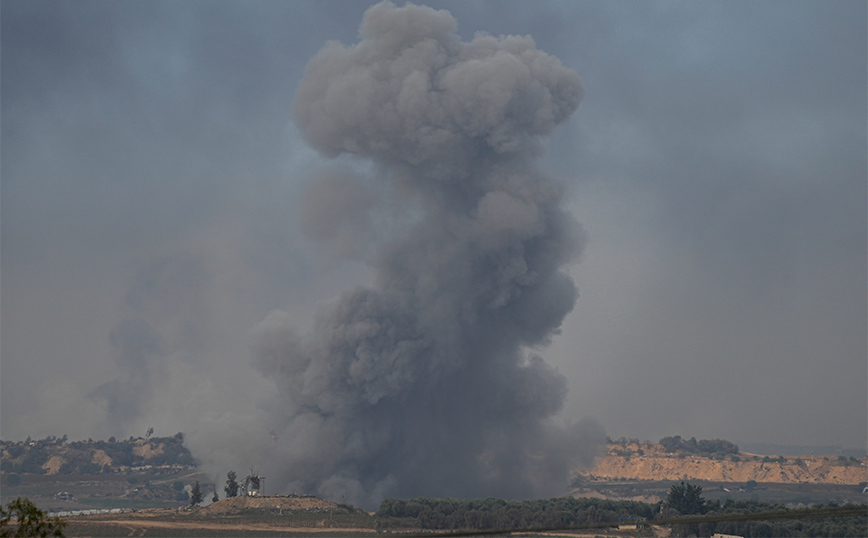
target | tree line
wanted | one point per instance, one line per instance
(493, 513)
(703, 446)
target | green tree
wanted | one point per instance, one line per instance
(196, 494)
(231, 485)
(31, 521)
(215, 498)
(686, 499)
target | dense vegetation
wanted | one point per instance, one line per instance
(81, 457)
(494, 513)
(703, 446)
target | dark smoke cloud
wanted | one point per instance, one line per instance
(425, 383)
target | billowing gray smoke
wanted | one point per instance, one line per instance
(161, 321)
(138, 349)
(424, 383)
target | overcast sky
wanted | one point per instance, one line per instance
(152, 215)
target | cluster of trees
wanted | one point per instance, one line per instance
(703, 446)
(23, 458)
(196, 496)
(29, 456)
(845, 461)
(491, 513)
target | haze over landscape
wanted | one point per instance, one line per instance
(370, 244)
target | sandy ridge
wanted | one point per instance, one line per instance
(626, 462)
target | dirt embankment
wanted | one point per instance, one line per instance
(147, 450)
(650, 462)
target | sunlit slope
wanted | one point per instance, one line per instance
(640, 461)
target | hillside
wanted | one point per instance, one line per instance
(646, 461)
(54, 455)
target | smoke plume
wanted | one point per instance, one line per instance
(162, 318)
(426, 381)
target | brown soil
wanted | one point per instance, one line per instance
(147, 449)
(53, 465)
(624, 462)
(101, 458)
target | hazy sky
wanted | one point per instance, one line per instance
(156, 207)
